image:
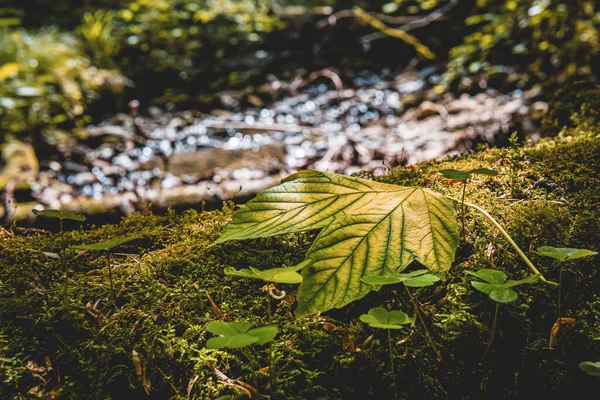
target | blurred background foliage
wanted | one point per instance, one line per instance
(59, 58)
(47, 83)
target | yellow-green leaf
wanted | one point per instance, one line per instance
(370, 228)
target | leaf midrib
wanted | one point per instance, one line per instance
(387, 215)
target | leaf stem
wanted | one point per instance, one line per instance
(62, 233)
(493, 333)
(271, 375)
(558, 305)
(560, 273)
(462, 212)
(250, 357)
(510, 240)
(110, 277)
(392, 363)
(64, 245)
(427, 334)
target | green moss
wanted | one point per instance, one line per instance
(581, 98)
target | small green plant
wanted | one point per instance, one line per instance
(285, 275)
(515, 157)
(464, 176)
(107, 246)
(60, 215)
(235, 335)
(380, 318)
(562, 255)
(590, 367)
(419, 278)
(498, 288)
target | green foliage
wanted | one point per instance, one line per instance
(106, 245)
(369, 228)
(418, 278)
(181, 36)
(591, 368)
(101, 40)
(464, 176)
(539, 40)
(47, 83)
(563, 254)
(496, 286)
(60, 215)
(287, 275)
(381, 318)
(234, 335)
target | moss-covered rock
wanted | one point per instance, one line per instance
(57, 315)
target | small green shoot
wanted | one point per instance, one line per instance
(60, 215)
(380, 318)
(288, 275)
(562, 255)
(496, 286)
(419, 278)
(515, 156)
(590, 367)
(464, 176)
(499, 289)
(285, 275)
(107, 246)
(235, 335)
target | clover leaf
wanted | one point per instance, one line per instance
(381, 318)
(107, 245)
(591, 368)
(563, 254)
(234, 335)
(462, 176)
(496, 286)
(419, 278)
(60, 214)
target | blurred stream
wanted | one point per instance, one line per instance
(345, 124)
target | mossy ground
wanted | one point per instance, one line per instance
(57, 310)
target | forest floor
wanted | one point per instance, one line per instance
(62, 335)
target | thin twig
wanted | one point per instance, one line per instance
(351, 13)
(271, 375)
(419, 22)
(429, 338)
(493, 333)
(168, 379)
